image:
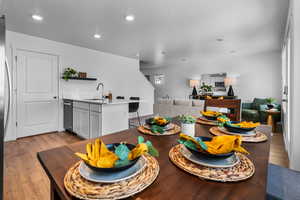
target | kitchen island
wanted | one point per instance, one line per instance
(91, 118)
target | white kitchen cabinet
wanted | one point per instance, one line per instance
(84, 122)
(95, 124)
(81, 119)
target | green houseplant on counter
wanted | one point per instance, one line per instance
(68, 73)
(188, 124)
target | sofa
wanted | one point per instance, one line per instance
(254, 111)
(175, 107)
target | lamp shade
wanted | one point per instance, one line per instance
(194, 83)
(230, 81)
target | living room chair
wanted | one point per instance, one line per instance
(233, 105)
(283, 183)
(255, 111)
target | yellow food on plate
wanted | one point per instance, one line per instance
(245, 124)
(223, 119)
(98, 155)
(160, 120)
(139, 150)
(225, 144)
(210, 113)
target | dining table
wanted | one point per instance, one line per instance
(172, 182)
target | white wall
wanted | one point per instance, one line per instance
(119, 74)
(260, 75)
(295, 88)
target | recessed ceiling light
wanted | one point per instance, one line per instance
(220, 39)
(129, 18)
(97, 36)
(37, 17)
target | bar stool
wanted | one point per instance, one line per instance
(134, 108)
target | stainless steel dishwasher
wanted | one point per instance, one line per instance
(68, 115)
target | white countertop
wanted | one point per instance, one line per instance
(106, 101)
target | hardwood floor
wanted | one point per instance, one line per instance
(278, 155)
(25, 179)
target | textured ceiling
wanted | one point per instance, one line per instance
(165, 31)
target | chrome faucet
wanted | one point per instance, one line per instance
(98, 86)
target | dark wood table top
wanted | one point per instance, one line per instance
(172, 182)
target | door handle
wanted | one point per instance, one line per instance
(55, 97)
(9, 96)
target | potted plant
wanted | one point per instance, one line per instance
(187, 124)
(206, 89)
(270, 102)
(68, 73)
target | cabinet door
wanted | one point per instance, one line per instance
(75, 120)
(95, 124)
(84, 122)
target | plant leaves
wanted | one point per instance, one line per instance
(153, 151)
(202, 144)
(189, 144)
(121, 163)
(122, 151)
(157, 129)
(140, 139)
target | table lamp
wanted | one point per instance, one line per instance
(193, 84)
(230, 81)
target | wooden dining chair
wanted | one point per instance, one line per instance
(233, 105)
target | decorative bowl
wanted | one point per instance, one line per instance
(236, 129)
(111, 147)
(197, 153)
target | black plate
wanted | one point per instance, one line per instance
(237, 129)
(211, 117)
(150, 122)
(197, 153)
(111, 147)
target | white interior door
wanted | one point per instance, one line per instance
(37, 93)
(286, 64)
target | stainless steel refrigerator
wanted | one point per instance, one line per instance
(5, 98)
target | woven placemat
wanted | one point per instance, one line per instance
(206, 122)
(173, 131)
(81, 188)
(259, 137)
(242, 171)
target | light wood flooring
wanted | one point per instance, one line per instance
(25, 179)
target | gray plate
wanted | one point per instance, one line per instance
(112, 177)
(210, 162)
(246, 134)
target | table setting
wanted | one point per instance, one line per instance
(159, 126)
(221, 158)
(112, 171)
(247, 130)
(208, 118)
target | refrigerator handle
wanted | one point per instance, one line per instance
(9, 96)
